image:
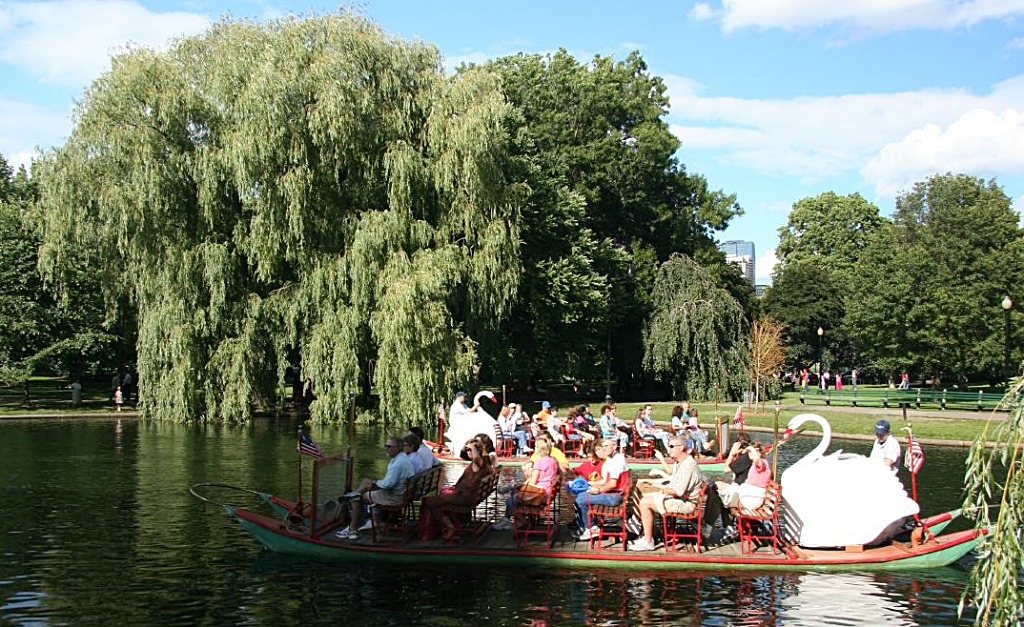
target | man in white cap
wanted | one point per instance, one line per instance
(886, 448)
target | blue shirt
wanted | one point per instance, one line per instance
(399, 469)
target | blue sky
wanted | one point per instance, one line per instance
(773, 100)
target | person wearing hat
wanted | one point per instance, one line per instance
(542, 416)
(459, 406)
(886, 448)
(681, 494)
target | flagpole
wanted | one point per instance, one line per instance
(775, 442)
(298, 505)
(913, 475)
(350, 454)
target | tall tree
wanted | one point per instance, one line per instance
(604, 200)
(43, 331)
(767, 355)
(927, 290)
(307, 186)
(803, 298)
(697, 334)
(828, 230)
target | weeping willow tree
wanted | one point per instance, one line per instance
(306, 187)
(697, 333)
(995, 584)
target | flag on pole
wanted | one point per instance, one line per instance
(737, 418)
(308, 447)
(915, 455)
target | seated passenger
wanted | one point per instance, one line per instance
(542, 473)
(678, 421)
(610, 425)
(387, 491)
(425, 453)
(464, 492)
(750, 493)
(679, 495)
(608, 490)
(510, 431)
(410, 447)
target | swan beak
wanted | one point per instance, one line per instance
(786, 434)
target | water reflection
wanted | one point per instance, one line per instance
(98, 523)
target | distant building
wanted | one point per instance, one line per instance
(740, 253)
(759, 290)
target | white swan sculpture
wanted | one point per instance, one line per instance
(465, 426)
(841, 499)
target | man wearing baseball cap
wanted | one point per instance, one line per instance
(886, 448)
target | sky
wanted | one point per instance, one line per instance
(772, 100)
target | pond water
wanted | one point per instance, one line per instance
(98, 528)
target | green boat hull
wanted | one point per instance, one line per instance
(940, 551)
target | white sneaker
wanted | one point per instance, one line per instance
(366, 526)
(641, 544)
(589, 533)
(502, 525)
(347, 534)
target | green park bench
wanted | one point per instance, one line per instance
(895, 397)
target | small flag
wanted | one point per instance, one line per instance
(738, 416)
(308, 447)
(915, 455)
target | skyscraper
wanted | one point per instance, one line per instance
(740, 253)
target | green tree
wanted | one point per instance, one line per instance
(697, 335)
(995, 583)
(927, 289)
(828, 230)
(803, 298)
(41, 332)
(307, 187)
(603, 201)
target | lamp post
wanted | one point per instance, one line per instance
(1007, 306)
(821, 333)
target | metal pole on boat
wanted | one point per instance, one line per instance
(775, 442)
(299, 454)
(350, 454)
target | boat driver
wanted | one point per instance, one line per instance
(886, 448)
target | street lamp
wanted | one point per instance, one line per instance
(821, 332)
(1007, 306)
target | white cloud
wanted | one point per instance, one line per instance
(872, 15)
(818, 137)
(701, 11)
(765, 266)
(23, 125)
(69, 42)
(979, 142)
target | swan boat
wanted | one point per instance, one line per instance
(291, 527)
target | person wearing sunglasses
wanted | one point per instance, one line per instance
(680, 495)
(386, 491)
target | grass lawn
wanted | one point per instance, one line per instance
(927, 425)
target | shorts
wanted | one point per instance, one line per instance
(383, 497)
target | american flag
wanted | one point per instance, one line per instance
(915, 455)
(738, 416)
(308, 447)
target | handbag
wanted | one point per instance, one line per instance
(532, 495)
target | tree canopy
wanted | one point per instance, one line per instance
(697, 334)
(927, 293)
(310, 187)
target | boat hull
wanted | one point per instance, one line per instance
(939, 551)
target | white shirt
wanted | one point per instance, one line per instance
(890, 449)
